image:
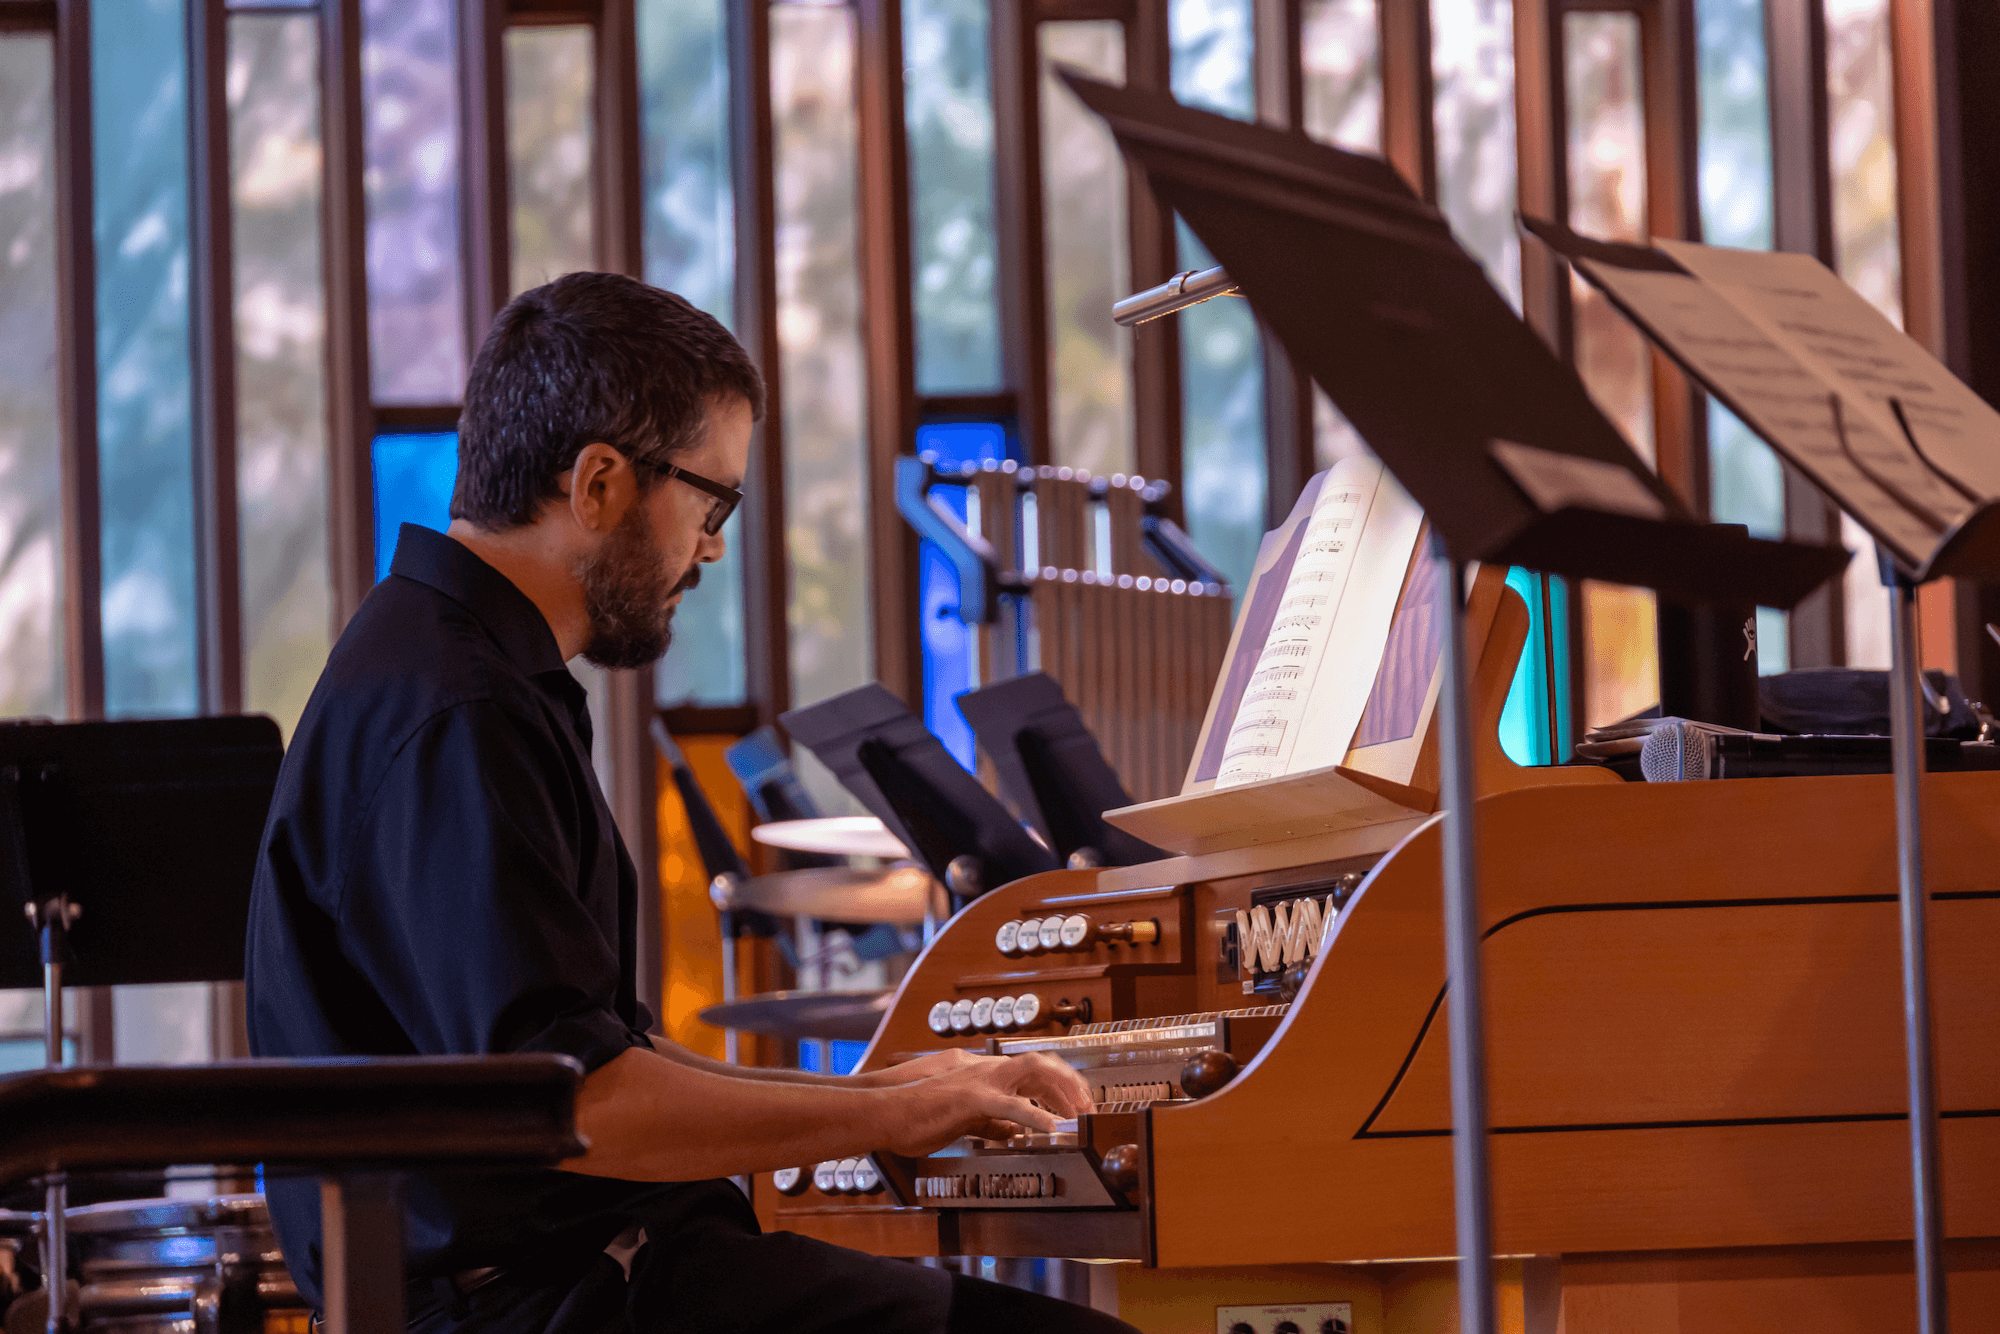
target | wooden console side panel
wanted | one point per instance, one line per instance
(1277, 1168)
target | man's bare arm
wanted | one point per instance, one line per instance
(648, 1118)
(923, 1067)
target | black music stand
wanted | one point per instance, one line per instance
(1051, 768)
(1499, 442)
(129, 847)
(885, 756)
(1969, 548)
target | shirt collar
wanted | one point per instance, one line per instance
(516, 623)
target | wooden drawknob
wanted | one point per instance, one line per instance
(1207, 1072)
(1121, 1167)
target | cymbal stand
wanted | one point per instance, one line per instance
(1473, 1208)
(51, 918)
(1906, 751)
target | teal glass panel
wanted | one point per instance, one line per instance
(31, 550)
(1535, 726)
(414, 474)
(690, 248)
(1524, 719)
(948, 111)
(145, 431)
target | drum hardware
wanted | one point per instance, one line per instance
(851, 1016)
(835, 835)
(899, 895)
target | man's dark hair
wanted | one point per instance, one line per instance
(588, 357)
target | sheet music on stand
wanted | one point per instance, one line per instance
(1859, 407)
(1496, 440)
(1904, 449)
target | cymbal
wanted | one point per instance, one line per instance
(845, 1015)
(839, 835)
(901, 894)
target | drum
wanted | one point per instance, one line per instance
(183, 1267)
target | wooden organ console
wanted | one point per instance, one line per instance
(1694, 1051)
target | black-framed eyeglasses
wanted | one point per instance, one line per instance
(726, 498)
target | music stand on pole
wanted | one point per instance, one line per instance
(1498, 441)
(1712, 312)
(129, 848)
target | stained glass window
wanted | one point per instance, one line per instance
(1472, 64)
(280, 360)
(1223, 463)
(1086, 239)
(690, 248)
(31, 626)
(548, 152)
(948, 108)
(1746, 480)
(1340, 52)
(416, 278)
(815, 139)
(1861, 111)
(1607, 190)
(139, 123)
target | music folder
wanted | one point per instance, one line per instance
(1860, 408)
(1494, 437)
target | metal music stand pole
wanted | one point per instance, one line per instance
(1906, 750)
(1471, 1189)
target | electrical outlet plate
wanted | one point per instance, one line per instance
(1303, 1317)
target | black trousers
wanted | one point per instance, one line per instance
(708, 1269)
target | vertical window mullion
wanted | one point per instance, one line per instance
(218, 587)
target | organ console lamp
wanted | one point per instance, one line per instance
(1370, 294)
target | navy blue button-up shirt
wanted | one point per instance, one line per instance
(440, 875)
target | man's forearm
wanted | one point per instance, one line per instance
(675, 1052)
(649, 1118)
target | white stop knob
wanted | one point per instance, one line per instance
(940, 1018)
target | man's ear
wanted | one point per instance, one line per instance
(602, 487)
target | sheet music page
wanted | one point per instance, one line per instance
(1311, 682)
(1832, 328)
(1782, 399)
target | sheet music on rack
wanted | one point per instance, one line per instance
(1889, 433)
(1310, 683)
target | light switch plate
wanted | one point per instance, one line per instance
(1305, 1317)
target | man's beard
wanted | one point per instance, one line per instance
(625, 592)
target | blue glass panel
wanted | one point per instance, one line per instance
(846, 1055)
(690, 248)
(950, 647)
(145, 433)
(948, 111)
(413, 479)
(1224, 471)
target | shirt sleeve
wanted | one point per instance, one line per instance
(461, 900)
